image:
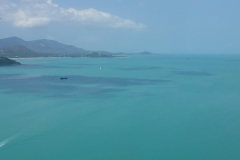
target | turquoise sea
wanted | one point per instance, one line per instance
(164, 107)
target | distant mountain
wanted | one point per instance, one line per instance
(50, 46)
(6, 62)
(17, 47)
(42, 46)
(18, 51)
(12, 41)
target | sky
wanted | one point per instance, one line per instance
(157, 26)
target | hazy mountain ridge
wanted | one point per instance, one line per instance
(17, 47)
(12, 41)
(50, 46)
(18, 51)
(41, 46)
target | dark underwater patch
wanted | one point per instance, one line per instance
(36, 66)
(114, 81)
(30, 66)
(233, 60)
(138, 68)
(192, 73)
(74, 86)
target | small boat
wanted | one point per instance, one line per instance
(62, 78)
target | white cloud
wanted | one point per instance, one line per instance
(36, 13)
(50, 3)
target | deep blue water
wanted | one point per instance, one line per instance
(137, 108)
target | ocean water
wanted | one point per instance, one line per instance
(164, 107)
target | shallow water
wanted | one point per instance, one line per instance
(142, 107)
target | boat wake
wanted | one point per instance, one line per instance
(3, 143)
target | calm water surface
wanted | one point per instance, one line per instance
(136, 108)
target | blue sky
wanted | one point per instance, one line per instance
(158, 26)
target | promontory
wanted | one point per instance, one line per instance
(8, 62)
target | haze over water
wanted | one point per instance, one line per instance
(140, 107)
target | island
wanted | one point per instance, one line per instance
(8, 62)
